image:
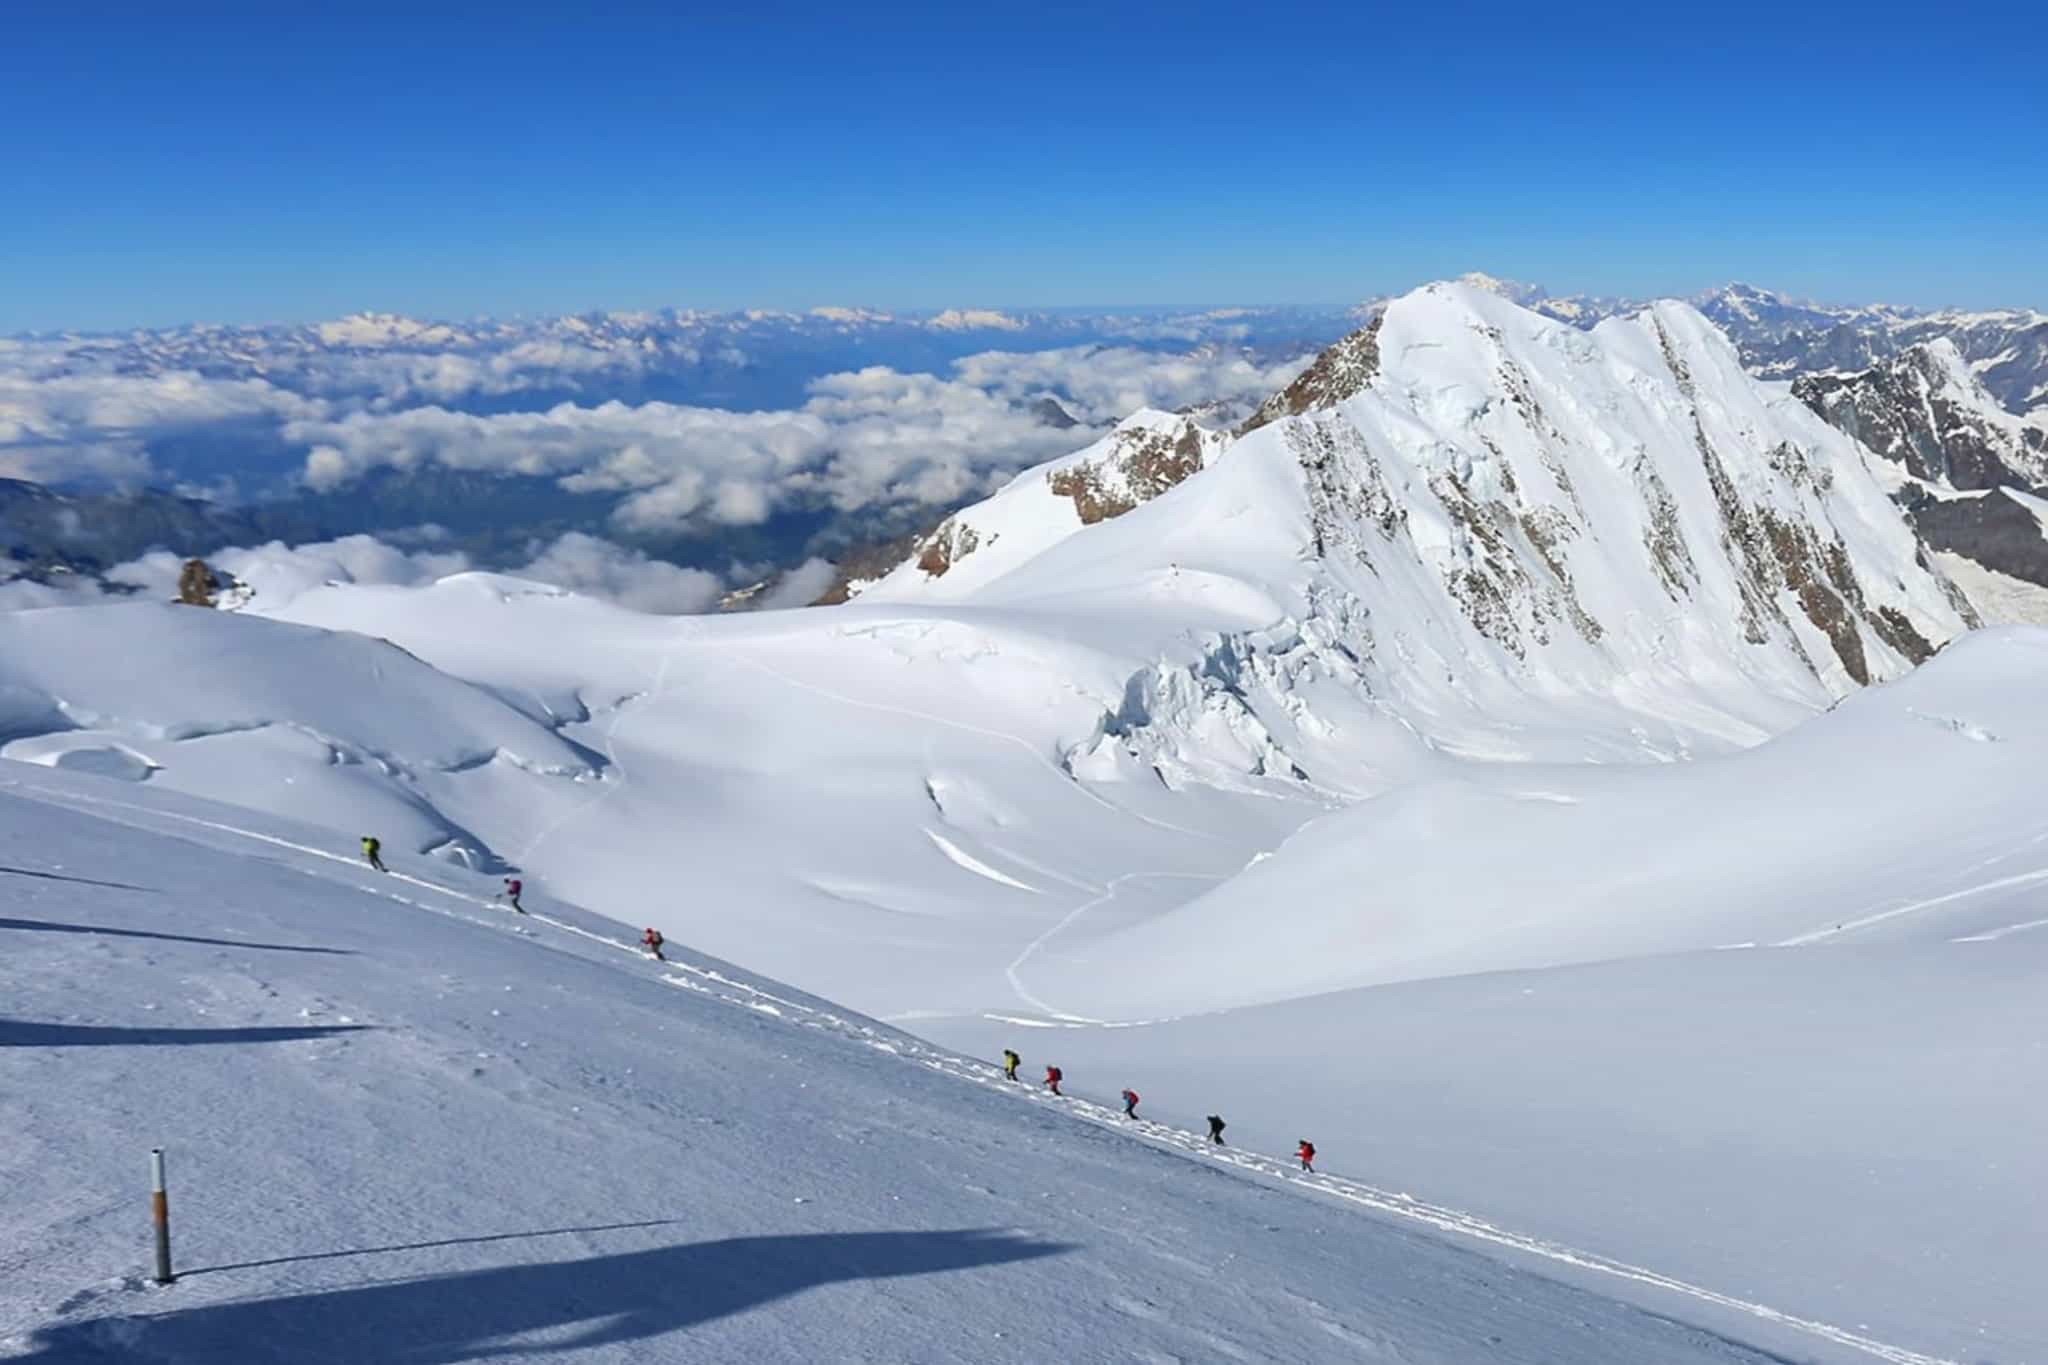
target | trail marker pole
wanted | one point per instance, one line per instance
(160, 1212)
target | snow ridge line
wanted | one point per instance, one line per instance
(1189, 1144)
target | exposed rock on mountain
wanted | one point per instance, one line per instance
(1339, 372)
(1926, 411)
(1147, 454)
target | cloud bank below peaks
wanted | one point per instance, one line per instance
(278, 572)
(866, 437)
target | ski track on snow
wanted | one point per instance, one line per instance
(1992, 935)
(708, 981)
(1914, 907)
(1015, 969)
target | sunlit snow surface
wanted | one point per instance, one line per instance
(407, 1126)
(1655, 941)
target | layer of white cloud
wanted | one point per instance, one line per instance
(278, 572)
(865, 437)
(800, 587)
(1103, 384)
(67, 426)
(598, 568)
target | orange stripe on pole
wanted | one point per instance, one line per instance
(160, 1214)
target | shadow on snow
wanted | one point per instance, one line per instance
(27, 1033)
(479, 1314)
(479, 1240)
(82, 881)
(54, 927)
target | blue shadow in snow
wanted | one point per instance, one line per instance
(82, 881)
(47, 926)
(27, 1033)
(475, 1314)
(483, 1239)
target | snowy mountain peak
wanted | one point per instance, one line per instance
(974, 319)
(1532, 467)
(1737, 294)
(1457, 518)
(1525, 294)
(369, 331)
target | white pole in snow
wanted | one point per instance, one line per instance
(160, 1212)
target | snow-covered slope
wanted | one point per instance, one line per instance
(333, 728)
(1557, 864)
(1774, 1014)
(1507, 540)
(1148, 453)
(402, 1127)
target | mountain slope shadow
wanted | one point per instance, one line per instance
(479, 1314)
(28, 1033)
(48, 926)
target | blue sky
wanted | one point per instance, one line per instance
(203, 162)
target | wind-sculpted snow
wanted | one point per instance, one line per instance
(322, 725)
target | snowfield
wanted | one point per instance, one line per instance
(327, 727)
(1540, 766)
(404, 1127)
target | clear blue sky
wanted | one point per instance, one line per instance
(176, 162)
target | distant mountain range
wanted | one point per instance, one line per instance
(1781, 337)
(219, 408)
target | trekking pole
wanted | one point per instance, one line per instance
(160, 1212)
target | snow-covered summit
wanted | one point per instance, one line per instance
(1478, 500)
(370, 331)
(974, 319)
